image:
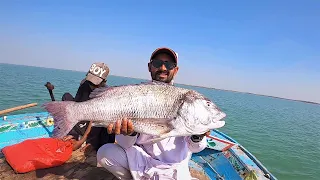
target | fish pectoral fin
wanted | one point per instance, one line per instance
(165, 121)
(154, 126)
(154, 140)
(171, 133)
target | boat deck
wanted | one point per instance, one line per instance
(80, 166)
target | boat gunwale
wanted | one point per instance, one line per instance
(250, 155)
(23, 117)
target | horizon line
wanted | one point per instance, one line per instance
(244, 92)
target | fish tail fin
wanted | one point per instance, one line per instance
(64, 121)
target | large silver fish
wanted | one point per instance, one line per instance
(156, 109)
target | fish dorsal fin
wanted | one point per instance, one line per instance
(98, 92)
(102, 91)
(154, 82)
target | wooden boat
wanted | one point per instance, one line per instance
(224, 158)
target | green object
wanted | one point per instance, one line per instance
(251, 176)
(211, 144)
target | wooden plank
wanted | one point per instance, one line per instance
(17, 108)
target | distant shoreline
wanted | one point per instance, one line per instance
(308, 102)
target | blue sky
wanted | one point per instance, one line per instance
(266, 47)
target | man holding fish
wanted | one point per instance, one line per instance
(166, 123)
(132, 156)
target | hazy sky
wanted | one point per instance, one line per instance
(266, 47)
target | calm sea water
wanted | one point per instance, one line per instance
(284, 135)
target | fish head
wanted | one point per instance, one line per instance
(214, 113)
(200, 114)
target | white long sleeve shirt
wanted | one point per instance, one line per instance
(168, 158)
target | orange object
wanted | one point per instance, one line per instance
(34, 154)
(17, 108)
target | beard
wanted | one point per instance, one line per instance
(162, 76)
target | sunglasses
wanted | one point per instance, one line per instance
(158, 63)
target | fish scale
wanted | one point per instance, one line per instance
(155, 109)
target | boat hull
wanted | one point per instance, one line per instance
(224, 158)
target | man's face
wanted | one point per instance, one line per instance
(162, 68)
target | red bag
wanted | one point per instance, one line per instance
(34, 154)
